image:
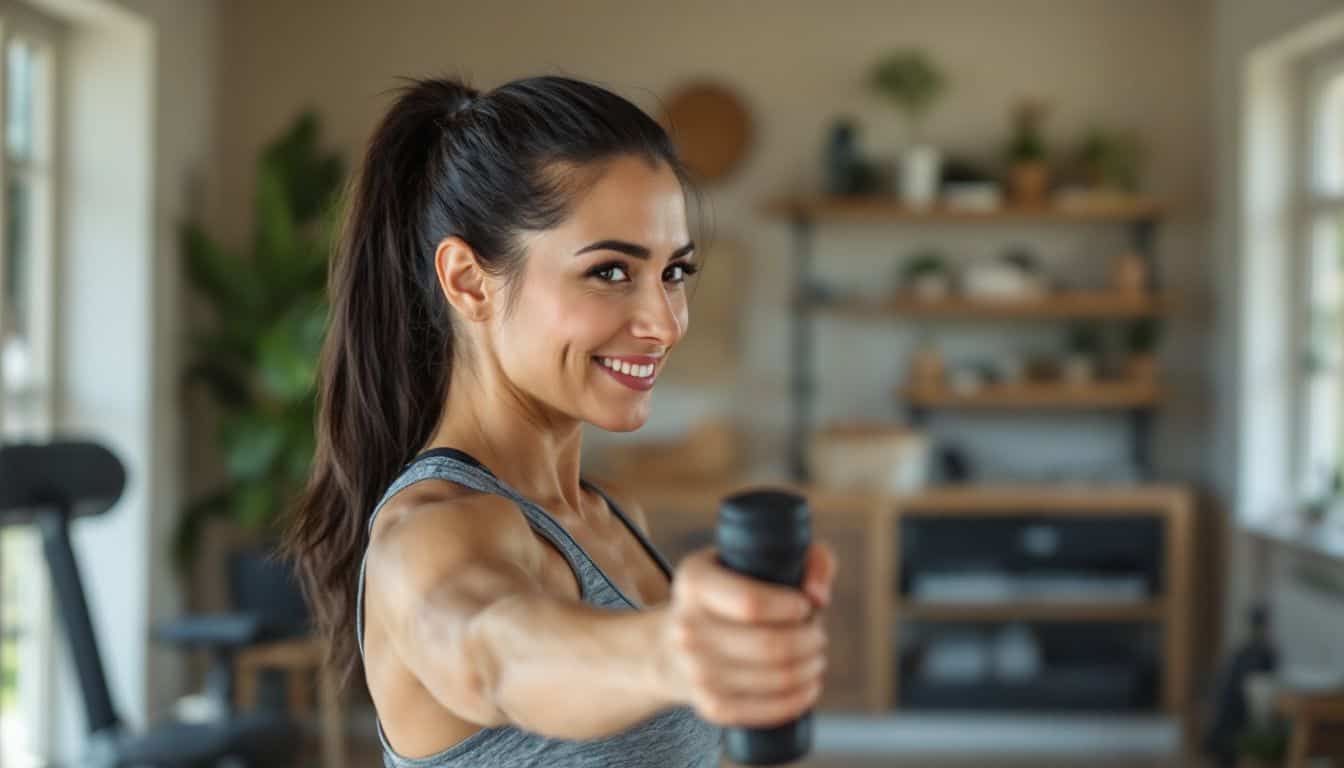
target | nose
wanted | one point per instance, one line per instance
(660, 316)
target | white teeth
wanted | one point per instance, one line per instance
(638, 371)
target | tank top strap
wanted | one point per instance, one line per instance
(461, 468)
(634, 529)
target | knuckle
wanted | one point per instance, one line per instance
(752, 606)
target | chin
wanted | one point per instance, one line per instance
(628, 421)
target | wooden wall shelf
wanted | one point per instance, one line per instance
(868, 613)
(1064, 305)
(888, 210)
(1050, 396)
(1062, 610)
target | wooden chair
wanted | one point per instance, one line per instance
(302, 658)
(1317, 722)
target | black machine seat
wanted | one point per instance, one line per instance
(47, 485)
(73, 478)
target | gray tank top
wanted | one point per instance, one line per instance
(674, 738)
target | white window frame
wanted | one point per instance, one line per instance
(37, 654)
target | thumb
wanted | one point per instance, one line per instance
(819, 573)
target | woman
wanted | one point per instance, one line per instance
(513, 265)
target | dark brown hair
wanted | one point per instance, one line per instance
(445, 160)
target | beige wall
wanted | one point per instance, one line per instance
(1141, 64)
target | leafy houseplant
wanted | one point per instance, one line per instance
(1029, 174)
(909, 79)
(1110, 160)
(256, 355)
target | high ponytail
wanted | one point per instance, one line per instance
(445, 161)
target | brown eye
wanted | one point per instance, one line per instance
(677, 273)
(611, 273)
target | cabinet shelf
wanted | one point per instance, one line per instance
(1064, 305)
(1018, 610)
(1040, 396)
(887, 210)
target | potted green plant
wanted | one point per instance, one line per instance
(1028, 169)
(910, 80)
(1142, 338)
(1109, 160)
(1080, 360)
(925, 274)
(255, 353)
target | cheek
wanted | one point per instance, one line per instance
(551, 330)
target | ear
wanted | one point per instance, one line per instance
(467, 287)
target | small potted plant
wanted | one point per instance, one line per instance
(1080, 362)
(1028, 171)
(1129, 273)
(926, 275)
(1109, 161)
(911, 81)
(1141, 365)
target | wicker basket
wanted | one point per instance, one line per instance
(869, 458)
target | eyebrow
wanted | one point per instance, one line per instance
(631, 249)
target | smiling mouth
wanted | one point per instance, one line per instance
(637, 376)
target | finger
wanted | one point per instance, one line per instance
(735, 597)
(819, 573)
(734, 678)
(757, 644)
(760, 712)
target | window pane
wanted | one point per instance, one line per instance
(19, 76)
(16, 257)
(26, 255)
(1324, 341)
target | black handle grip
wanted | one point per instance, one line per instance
(765, 534)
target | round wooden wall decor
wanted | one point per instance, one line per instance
(710, 126)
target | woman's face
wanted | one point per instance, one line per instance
(602, 298)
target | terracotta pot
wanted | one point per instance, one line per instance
(1142, 368)
(1079, 370)
(1129, 273)
(1029, 182)
(926, 372)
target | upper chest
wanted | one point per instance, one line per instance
(613, 548)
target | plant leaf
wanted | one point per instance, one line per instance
(289, 353)
(251, 443)
(254, 505)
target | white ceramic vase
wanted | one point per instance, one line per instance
(921, 168)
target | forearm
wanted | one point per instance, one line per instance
(566, 669)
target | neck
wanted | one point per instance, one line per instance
(531, 447)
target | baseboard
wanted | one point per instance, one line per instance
(1000, 735)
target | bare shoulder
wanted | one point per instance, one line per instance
(435, 527)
